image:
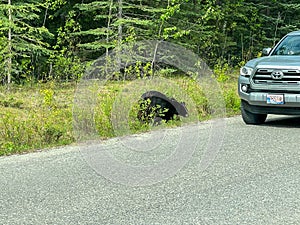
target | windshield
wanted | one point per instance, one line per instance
(289, 46)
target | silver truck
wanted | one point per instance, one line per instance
(271, 84)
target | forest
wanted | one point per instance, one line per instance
(43, 40)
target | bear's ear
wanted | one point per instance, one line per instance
(182, 103)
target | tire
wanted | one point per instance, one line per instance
(252, 118)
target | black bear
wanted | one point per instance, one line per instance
(157, 106)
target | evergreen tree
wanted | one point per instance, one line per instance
(22, 38)
(277, 18)
(113, 22)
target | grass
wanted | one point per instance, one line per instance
(35, 116)
(38, 116)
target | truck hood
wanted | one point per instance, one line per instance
(275, 62)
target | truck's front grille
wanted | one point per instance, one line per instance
(282, 77)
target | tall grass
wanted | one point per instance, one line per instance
(35, 116)
(39, 116)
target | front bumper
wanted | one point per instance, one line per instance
(255, 101)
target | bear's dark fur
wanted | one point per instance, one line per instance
(161, 106)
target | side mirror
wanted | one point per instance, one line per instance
(266, 51)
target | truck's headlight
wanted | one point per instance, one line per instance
(246, 71)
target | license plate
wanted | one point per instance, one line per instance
(275, 99)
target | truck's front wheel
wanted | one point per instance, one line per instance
(252, 118)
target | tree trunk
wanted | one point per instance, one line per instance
(120, 25)
(9, 59)
(107, 35)
(108, 25)
(120, 15)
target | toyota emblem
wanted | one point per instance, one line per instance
(277, 75)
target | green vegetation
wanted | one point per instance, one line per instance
(55, 39)
(47, 45)
(34, 117)
(40, 115)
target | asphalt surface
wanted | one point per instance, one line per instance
(253, 178)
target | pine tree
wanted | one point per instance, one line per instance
(22, 37)
(116, 22)
(277, 18)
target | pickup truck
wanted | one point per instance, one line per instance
(271, 84)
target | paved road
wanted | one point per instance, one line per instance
(254, 179)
